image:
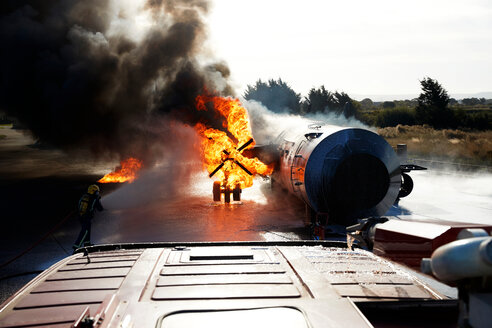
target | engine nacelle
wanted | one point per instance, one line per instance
(346, 173)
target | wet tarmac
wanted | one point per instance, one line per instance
(189, 214)
(448, 196)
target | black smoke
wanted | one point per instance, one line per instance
(77, 82)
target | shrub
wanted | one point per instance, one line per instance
(478, 121)
(395, 116)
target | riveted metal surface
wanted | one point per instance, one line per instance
(44, 316)
(104, 259)
(116, 253)
(225, 292)
(95, 273)
(382, 291)
(221, 255)
(221, 269)
(97, 265)
(62, 298)
(78, 284)
(363, 276)
(321, 282)
(224, 279)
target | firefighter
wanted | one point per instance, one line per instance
(88, 204)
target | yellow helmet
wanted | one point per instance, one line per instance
(93, 189)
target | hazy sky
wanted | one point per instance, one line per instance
(357, 46)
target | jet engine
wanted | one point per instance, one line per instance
(343, 173)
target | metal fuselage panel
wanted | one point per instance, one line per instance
(346, 172)
(157, 285)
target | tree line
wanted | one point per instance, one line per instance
(279, 97)
(433, 106)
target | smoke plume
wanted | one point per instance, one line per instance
(106, 75)
(268, 125)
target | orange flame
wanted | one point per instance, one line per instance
(218, 147)
(127, 171)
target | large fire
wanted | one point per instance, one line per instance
(221, 153)
(127, 171)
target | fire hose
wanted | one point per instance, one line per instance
(27, 250)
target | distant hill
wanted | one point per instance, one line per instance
(486, 95)
(457, 96)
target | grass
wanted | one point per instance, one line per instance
(451, 145)
(458, 118)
